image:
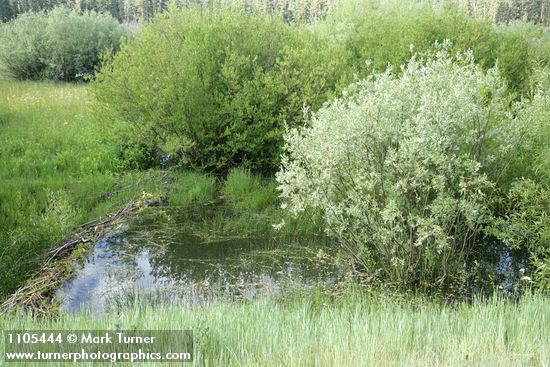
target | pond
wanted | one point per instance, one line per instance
(157, 258)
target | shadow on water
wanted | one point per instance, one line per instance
(152, 256)
(157, 256)
(496, 268)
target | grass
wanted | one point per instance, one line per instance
(351, 330)
(59, 169)
(190, 188)
(241, 205)
(246, 191)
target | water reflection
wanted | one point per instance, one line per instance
(155, 257)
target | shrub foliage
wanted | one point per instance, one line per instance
(59, 45)
(403, 168)
(214, 89)
(391, 33)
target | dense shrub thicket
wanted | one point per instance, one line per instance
(407, 170)
(391, 33)
(59, 45)
(213, 90)
(523, 206)
(525, 226)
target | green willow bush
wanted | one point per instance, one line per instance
(525, 226)
(385, 32)
(524, 211)
(532, 158)
(402, 168)
(213, 89)
(59, 45)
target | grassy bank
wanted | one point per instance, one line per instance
(353, 330)
(59, 169)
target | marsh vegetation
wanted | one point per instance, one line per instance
(375, 178)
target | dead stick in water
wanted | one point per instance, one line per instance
(37, 289)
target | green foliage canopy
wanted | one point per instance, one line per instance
(214, 89)
(404, 167)
(59, 45)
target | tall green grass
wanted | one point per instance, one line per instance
(353, 330)
(248, 192)
(191, 189)
(59, 168)
(239, 205)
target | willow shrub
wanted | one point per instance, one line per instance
(403, 168)
(525, 226)
(384, 33)
(213, 89)
(59, 45)
(524, 220)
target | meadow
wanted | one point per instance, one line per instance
(59, 170)
(357, 327)
(412, 138)
(351, 329)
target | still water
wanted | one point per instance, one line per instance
(153, 258)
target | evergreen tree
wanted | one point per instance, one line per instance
(162, 5)
(503, 13)
(147, 9)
